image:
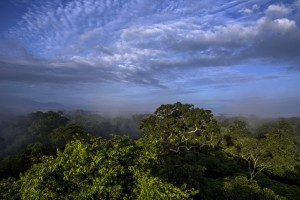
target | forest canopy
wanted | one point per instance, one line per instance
(178, 152)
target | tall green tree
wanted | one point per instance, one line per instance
(180, 136)
(181, 127)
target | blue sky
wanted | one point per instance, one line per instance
(233, 57)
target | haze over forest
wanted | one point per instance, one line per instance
(233, 57)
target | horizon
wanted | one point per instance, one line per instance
(231, 57)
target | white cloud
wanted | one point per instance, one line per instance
(283, 25)
(246, 11)
(277, 11)
(251, 10)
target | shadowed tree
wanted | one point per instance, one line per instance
(42, 124)
(253, 151)
(242, 188)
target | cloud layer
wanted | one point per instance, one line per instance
(157, 44)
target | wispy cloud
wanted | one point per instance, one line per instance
(136, 38)
(249, 10)
(153, 44)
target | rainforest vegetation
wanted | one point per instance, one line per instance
(178, 152)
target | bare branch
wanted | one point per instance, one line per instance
(194, 131)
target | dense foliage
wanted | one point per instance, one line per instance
(183, 152)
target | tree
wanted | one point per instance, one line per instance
(277, 152)
(253, 151)
(9, 189)
(181, 127)
(241, 188)
(180, 135)
(97, 169)
(42, 124)
(233, 129)
(283, 146)
(64, 134)
(149, 187)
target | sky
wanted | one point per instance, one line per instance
(233, 57)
